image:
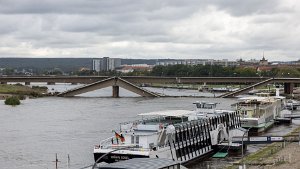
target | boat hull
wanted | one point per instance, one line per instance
(114, 157)
(260, 128)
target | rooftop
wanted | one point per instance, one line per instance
(172, 113)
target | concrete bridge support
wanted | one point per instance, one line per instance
(3, 82)
(50, 83)
(27, 83)
(115, 91)
(288, 88)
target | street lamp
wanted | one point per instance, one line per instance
(247, 131)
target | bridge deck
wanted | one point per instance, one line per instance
(248, 88)
(113, 81)
(144, 79)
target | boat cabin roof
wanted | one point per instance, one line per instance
(263, 94)
(206, 105)
(253, 98)
(169, 113)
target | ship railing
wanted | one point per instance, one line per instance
(145, 120)
(260, 104)
(129, 147)
(106, 142)
(149, 121)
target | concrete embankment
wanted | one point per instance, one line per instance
(275, 155)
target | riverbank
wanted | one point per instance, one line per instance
(275, 155)
(4, 96)
(7, 90)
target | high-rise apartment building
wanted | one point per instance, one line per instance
(96, 65)
(106, 64)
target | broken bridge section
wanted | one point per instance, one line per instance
(115, 82)
(248, 88)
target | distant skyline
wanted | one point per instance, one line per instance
(156, 29)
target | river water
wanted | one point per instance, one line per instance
(33, 132)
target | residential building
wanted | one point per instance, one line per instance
(106, 64)
(203, 62)
(134, 67)
(96, 65)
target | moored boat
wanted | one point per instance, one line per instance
(257, 112)
(292, 104)
(179, 135)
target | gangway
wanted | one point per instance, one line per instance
(265, 139)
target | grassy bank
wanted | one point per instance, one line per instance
(18, 89)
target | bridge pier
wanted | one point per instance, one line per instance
(3, 83)
(115, 91)
(50, 83)
(288, 88)
(27, 83)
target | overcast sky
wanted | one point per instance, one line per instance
(198, 29)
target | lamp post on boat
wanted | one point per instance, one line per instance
(247, 131)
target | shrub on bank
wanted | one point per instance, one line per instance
(13, 100)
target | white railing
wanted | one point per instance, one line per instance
(106, 142)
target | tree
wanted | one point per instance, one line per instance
(13, 100)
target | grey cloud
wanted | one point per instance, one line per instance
(85, 6)
(247, 7)
(88, 27)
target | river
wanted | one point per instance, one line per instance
(33, 132)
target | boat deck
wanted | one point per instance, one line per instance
(144, 163)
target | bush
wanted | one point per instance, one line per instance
(13, 100)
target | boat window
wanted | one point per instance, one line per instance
(183, 134)
(132, 139)
(137, 140)
(180, 135)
